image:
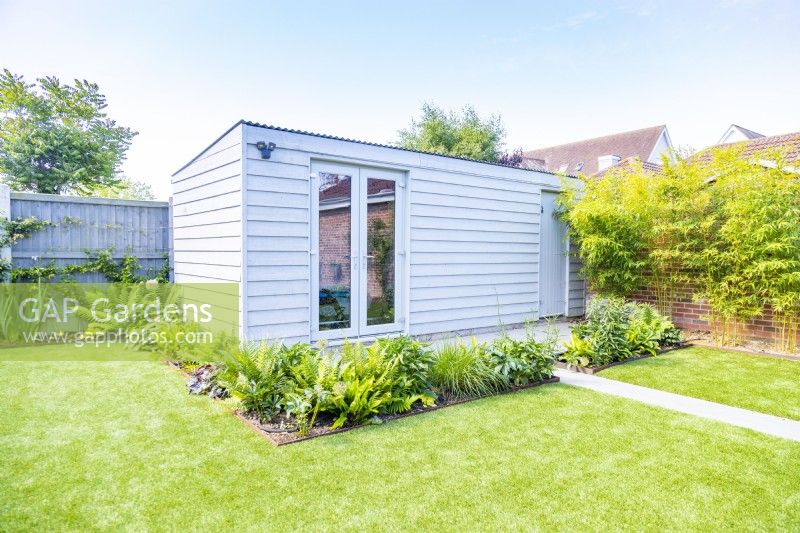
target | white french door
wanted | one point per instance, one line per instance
(357, 250)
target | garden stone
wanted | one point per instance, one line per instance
(201, 381)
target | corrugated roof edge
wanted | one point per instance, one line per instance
(344, 139)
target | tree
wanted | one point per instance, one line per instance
(461, 134)
(56, 138)
(126, 189)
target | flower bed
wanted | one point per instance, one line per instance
(616, 332)
(280, 434)
(598, 368)
(291, 393)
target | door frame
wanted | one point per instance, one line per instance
(399, 238)
(566, 258)
(359, 174)
(353, 172)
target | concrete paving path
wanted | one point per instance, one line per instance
(764, 423)
(539, 330)
(769, 424)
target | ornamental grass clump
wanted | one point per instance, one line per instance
(465, 371)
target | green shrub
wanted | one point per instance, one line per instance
(509, 358)
(526, 360)
(465, 371)
(723, 221)
(413, 361)
(649, 330)
(580, 351)
(521, 362)
(545, 352)
(606, 328)
(353, 384)
(615, 330)
(671, 337)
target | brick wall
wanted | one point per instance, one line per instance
(334, 246)
(688, 314)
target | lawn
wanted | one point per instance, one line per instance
(766, 384)
(102, 445)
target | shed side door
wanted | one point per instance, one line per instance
(552, 259)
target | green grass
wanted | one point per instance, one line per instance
(765, 384)
(120, 445)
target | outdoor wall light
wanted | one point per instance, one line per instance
(266, 149)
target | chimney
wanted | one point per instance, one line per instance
(606, 161)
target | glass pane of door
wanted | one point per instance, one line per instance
(335, 234)
(380, 269)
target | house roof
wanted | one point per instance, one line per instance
(647, 167)
(749, 134)
(636, 143)
(788, 141)
(345, 139)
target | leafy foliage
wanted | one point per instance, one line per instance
(354, 384)
(127, 189)
(12, 329)
(412, 382)
(127, 270)
(523, 361)
(58, 139)
(615, 330)
(256, 375)
(723, 222)
(364, 384)
(462, 134)
(386, 377)
(13, 231)
(610, 223)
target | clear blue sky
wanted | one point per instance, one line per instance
(182, 73)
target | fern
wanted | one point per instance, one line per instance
(256, 375)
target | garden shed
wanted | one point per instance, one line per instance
(332, 238)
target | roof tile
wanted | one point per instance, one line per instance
(624, 145)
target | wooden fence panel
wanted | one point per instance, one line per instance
(81, 225)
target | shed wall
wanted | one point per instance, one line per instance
(577, 284)
(472, 252)
(207, 214)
